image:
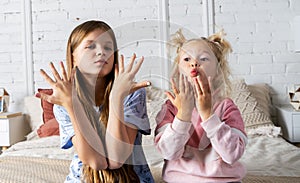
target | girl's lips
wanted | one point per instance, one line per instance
(102, 62)
(194, 73)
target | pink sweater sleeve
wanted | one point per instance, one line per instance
(171, 134)
(227, 136)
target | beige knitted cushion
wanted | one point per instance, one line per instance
(253, 113)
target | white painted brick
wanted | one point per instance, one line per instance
(238, 28)
(267, 68)
(258, 78)
(4, 38)
(9, 28)
(82, 14)
(10, 7)
(287, 58)
(180, 10)
(286, 79)
(283, 17)
(281, 35)
(225, 18)
(14, 18)
(274, 6)
(46, 5)
(48, 45)
(269, 47)
(242, 17)
(4, 48)
(4, 58)
(255, 59)
(234, 6)
(45, 27)
(295, 4)
(271, 27)
(293, 68)
(11, 68)
(15, 38)
(49, 16)
(238, 69)
(79, 5)
(243, 48)
(17, 56)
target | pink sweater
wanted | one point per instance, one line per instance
(202, 151)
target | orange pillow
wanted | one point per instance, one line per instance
(48, 117)
(48, 129)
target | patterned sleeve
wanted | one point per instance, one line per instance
(66, 129)
(135, 111)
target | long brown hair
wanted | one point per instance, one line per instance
(125, 173)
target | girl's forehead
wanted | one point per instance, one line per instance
(197, 45)
(98, 35)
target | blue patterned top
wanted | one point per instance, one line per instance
(135, 112)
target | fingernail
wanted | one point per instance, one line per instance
(148, 83)
(38, 95)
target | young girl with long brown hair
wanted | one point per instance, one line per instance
(100, 109)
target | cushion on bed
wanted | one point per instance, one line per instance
(33, 112)
(50, 126)
(254, 107)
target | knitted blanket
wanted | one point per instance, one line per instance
(44, 170)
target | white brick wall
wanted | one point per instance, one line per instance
(262, 38)
(261, 34)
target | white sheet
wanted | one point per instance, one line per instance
(48, 147)
(271, 156)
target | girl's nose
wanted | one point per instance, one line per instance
(100, 52)
(194, 63)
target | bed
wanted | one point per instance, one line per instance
(268, 157)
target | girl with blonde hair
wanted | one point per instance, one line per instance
(200, 132)
(100, 109)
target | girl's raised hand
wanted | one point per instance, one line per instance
(61, 85)
(203, 95)
(124, 84)
(183, 98)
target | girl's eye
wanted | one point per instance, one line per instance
(187, 59)
(92, 46)
(204, 59)
(108, 48)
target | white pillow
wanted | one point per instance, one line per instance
(33, 111)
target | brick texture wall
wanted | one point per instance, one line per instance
(260, 31)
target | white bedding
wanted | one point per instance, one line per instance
(264, 155)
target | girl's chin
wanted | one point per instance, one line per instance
(193, 75)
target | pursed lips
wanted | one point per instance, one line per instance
(101, 62)
(194, 72)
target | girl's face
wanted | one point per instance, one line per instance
(95, 54)
(195, 55)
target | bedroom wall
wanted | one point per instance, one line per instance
(261, 33)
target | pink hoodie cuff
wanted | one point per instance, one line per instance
(181, 127)
(211, 125)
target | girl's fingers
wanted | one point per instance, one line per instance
(197, 85)
(140, 85)
(174, 88)
(137, 67)
(204, 83)
(170, 96)
(116, 70)
(63, 71)
(181, 83)
(54, 72)
(129, 66)
(47, 78)
(121, 64)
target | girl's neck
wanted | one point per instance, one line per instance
(96, 88)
